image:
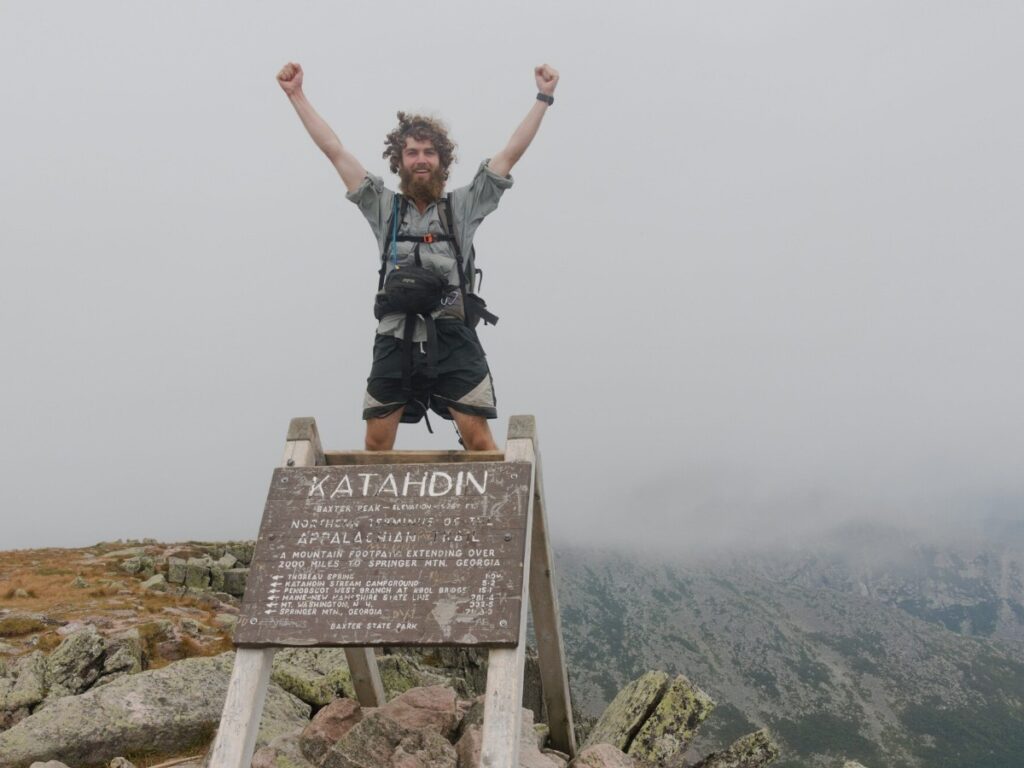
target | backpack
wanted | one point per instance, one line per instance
(416, 289)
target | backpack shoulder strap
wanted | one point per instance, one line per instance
(466, 270)
(391, 244)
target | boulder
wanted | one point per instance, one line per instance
(227, 560)
(49, 764)
(123, 654)
(377, 741)
(234, 581)
(156, 583)
(304, 683)
(167, 711)
(468, 747)
(624, 717)
(131, 565)
(241, 551)
(197, 573)
(669, 729)
(312, 674)
(26, 686)
(433, 708)
(282, 752)
(76, 663)
(120, 762)
(603, 756)
(328, 726)
(176, 568)
(401, 673)
(754, 750)
(465, 669)
(216, 577)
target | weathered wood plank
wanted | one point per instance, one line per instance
(547, 622)
(362, 458)
(362, 664)
(302, 430)
(504, 695)
(243, 706)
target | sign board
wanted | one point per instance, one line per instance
(403, 554)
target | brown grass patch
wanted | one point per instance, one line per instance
(12, 594)
(16, 626)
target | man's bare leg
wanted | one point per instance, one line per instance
(380, 433)
(475, 431)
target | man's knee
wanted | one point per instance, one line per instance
(475, 431)
(380, 433)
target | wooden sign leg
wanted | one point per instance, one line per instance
(504, 697)
(362, 663)
(240, 719)
(544, 605)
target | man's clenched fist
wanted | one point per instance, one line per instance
(290, 78)
(547, 78)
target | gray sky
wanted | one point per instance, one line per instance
(760, 269)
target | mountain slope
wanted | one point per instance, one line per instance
(833, 670)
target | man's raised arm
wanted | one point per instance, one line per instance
(501, 163)
(350, 169)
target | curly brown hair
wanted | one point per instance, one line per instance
(421, 128)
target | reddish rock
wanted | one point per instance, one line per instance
(328, 727)
(467, 750)
(377, 741)
(434, 708)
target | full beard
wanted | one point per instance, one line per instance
(422, 189)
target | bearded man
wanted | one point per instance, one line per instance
(439, 363)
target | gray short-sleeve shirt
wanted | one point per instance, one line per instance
(470, 205)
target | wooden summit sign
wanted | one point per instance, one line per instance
(389, 555)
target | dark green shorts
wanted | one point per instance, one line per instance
(463, 379)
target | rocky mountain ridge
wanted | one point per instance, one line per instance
(859, 650)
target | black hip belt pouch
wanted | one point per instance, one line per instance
(411, 289)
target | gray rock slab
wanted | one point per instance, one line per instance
(197, 573)
(176, 567)
(27, 685)
(156, 582)
(241, 551)
(621, 720)
(234, 581)
(282, 752)
(76, 663)
(123, 654)
(670, 728)
(168, 711)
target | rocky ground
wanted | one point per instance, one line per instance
(118, 655)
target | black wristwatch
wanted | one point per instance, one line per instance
(549, 100)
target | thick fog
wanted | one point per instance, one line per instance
(759, 273)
